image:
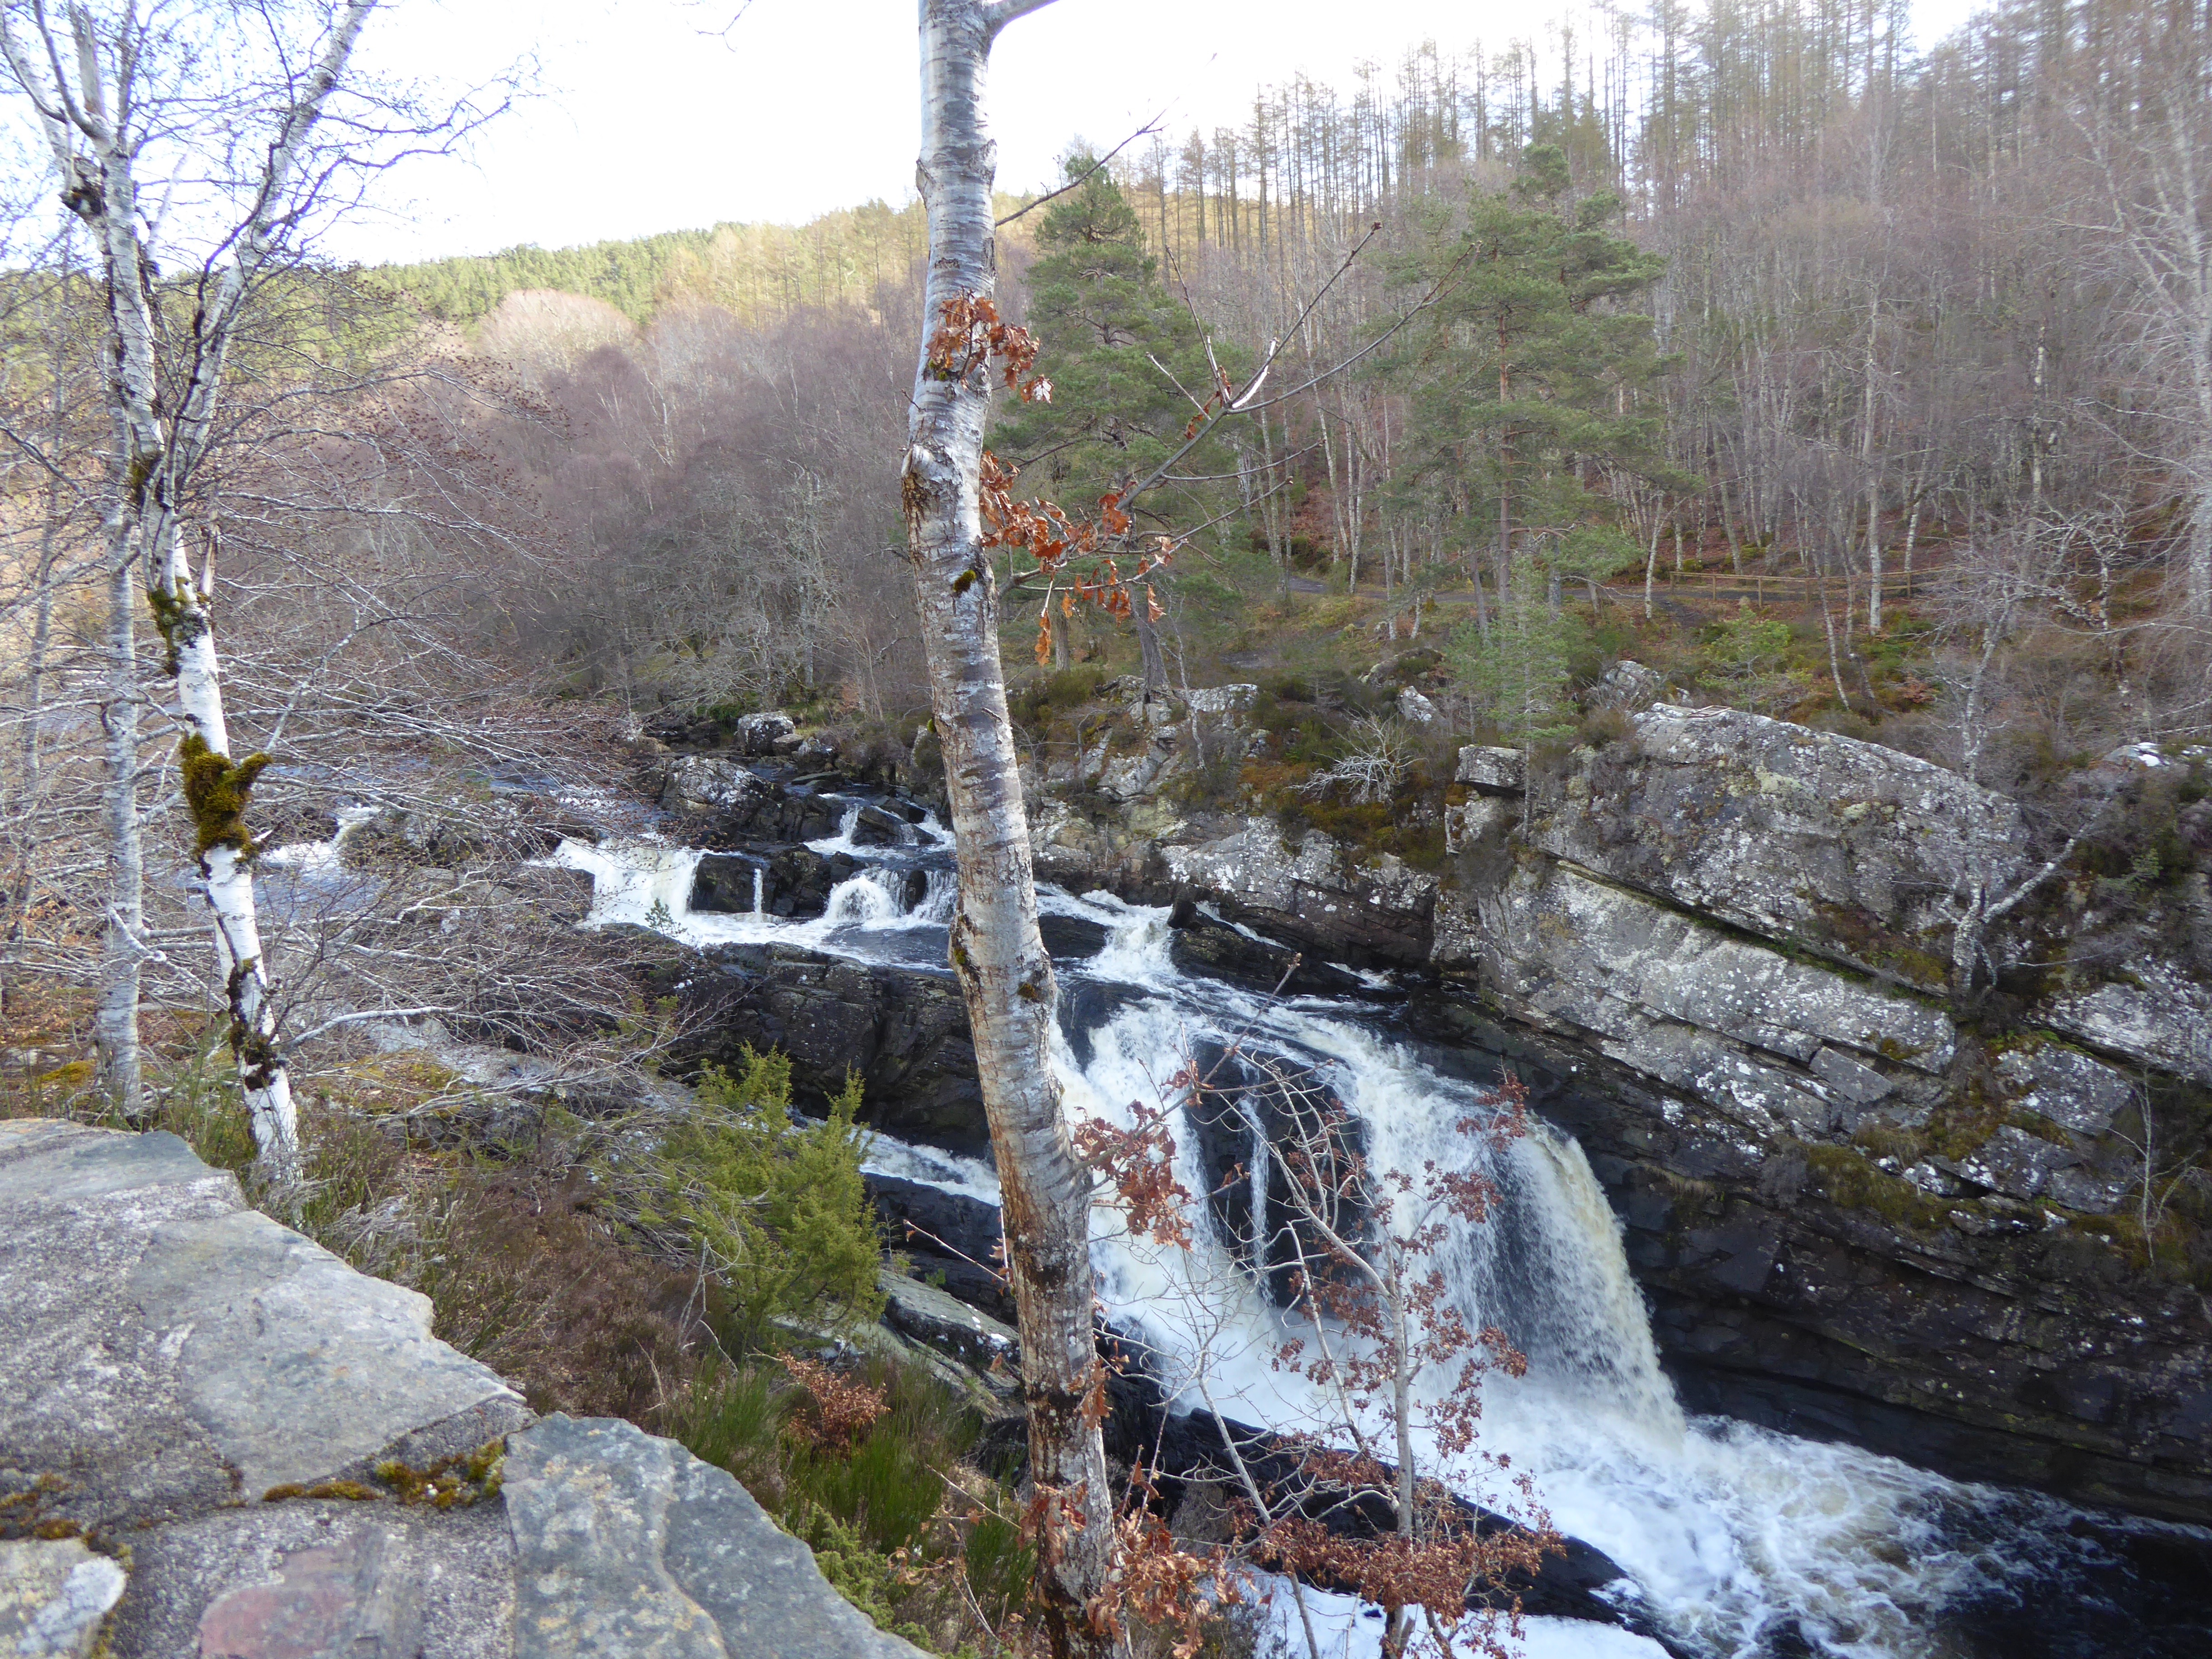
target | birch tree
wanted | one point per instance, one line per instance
(2147, 123)
(1004, 971)
(112, 94)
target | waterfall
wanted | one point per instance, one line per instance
(940, 891)
(760, 889)
(1258, 1156)
(1729, 1531)
(1739, 1541)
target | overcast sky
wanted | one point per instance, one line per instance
(650, 115)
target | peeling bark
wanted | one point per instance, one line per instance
(1004, 971)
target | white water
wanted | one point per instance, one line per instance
(1728, 1531)
(317, 858)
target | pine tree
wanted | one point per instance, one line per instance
(1129, 369)
(1531, 384)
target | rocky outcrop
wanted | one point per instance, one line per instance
(1864, 1200)
(215, 1437)
(626, 1544)
(1847, 850)
(903, 1033)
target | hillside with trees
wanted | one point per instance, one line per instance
(1588, 659)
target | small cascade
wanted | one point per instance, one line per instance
(646, 884)
(760, 890)
(316, 858)
(870, 899)
(842, 840)
(940, 892)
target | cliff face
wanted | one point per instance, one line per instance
(1873, 1123)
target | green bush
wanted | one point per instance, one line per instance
(1746, 646)
(775, 1207)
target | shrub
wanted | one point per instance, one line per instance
(774, 1207)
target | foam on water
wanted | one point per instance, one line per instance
(1345, 1627)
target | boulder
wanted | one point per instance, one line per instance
(1628, 686)
(212, 1399)
(1224, 699)
(710, 783)
(1844, 849)
(731, 805)
(168, 1349)
(1199, 943)
(874, 826)
(626, 1544)
(1493, 771)
(723, 883)
(761, 736)
(1071, 937)
(939, 1319)
(1377, 912)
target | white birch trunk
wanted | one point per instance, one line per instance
(1004, 971)
(155, 461)
(115, 1021)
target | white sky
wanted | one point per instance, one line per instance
(647, 116)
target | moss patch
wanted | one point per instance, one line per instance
(218, 791)
(1845, 1177)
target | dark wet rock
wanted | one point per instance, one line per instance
(722, 883)
(877, 826)
(904, 1032)
(1201, 943)
(1569, 1584)
(1070, 938)
(1086, 1005)
(952, 1239)
(795, 882)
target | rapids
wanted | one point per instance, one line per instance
(1737, 1541)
